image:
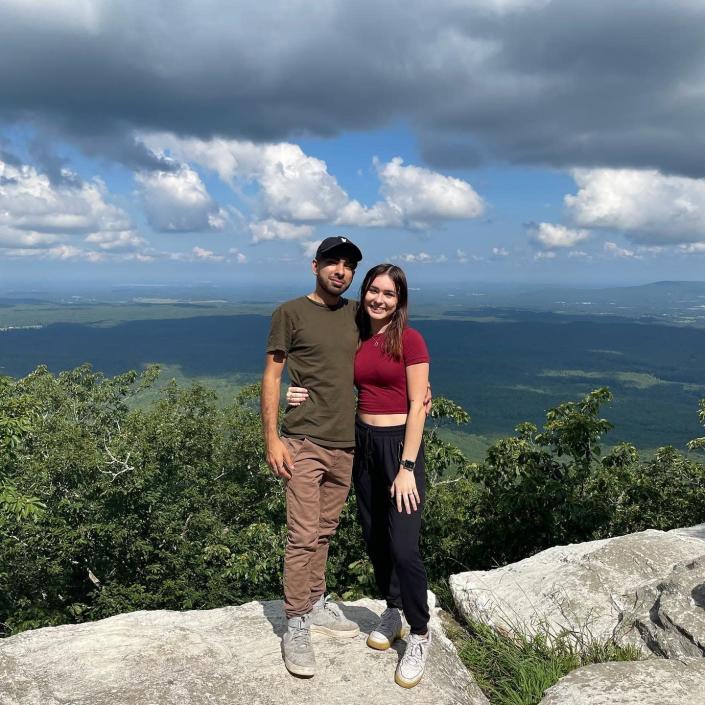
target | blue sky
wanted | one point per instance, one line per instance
(492, 141)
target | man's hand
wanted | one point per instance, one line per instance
(279, 460)
(427, 400)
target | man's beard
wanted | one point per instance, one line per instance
(326, 286)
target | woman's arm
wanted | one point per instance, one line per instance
(404, 487)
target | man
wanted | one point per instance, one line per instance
(316, 337)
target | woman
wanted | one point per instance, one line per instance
(391, 375)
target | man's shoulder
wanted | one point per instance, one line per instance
(291, 305)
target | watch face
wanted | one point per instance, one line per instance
(408, 464)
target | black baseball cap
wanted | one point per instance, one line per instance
(338, 245)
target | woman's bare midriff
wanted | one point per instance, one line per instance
(382, 419)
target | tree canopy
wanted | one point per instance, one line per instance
(107, 508)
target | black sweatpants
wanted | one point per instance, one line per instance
(392, 537)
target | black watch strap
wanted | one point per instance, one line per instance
(408, 464)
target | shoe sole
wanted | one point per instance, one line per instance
(380, 645)
(347, 634)
(399, 680)
(296, 670)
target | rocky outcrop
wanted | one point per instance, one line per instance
(652, 682)
(218, 657)
(668, 614)
(612, 588)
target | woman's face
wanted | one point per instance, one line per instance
(381, 298)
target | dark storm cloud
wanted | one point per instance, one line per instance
(120, 144)
(53, 165)
(559, 83)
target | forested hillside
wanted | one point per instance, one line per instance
(508, 367)
(106, 508)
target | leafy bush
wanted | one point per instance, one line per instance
(555, 486)
(107, 508)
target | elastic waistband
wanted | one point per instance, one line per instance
(379, 430)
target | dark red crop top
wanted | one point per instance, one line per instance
(380, 379)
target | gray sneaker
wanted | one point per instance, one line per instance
(389, 629)
(326, 618)
(298, 650)
(413, 662)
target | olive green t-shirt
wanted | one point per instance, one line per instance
(320, 344)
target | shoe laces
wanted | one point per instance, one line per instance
(329, 605)
(301, 635)
(414, 654)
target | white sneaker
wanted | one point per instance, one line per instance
(411, 667)
(389, 629)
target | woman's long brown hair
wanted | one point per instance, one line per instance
(392, 345)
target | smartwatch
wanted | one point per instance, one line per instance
(408, 465)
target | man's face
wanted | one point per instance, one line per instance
(334, 274)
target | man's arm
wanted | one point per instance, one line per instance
(278, 457)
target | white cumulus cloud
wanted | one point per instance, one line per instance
(414, 198)
(203, 255)
(295, 187)
(30, 203)
(420, 258)
(237, 256)
(694, 248)
(10, 237)
(309, 247)
(58, 252)
(550, 236)
(178, 201)
(614, 250)
(271, 229)
(646, 205)
(120, 241)
(38, 217)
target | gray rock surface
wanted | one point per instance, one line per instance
(652, 682)
(582, 589)
(669, 614)
(225, 656)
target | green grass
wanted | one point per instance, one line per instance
(517, 669)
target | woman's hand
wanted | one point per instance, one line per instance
(296, 396)
(404, 488)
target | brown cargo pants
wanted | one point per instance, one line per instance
(315, 496)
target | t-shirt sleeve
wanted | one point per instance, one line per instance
(280, 330)
(415, 350)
